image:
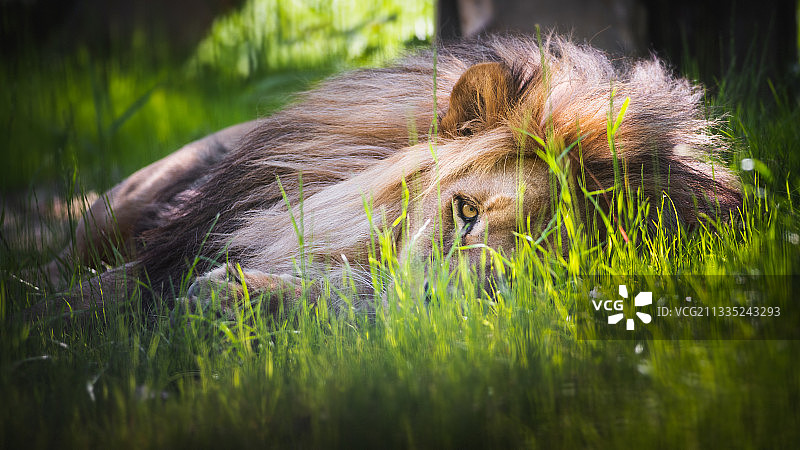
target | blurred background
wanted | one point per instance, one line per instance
(94, 89)
(716, 34)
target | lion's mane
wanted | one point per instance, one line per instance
(361, 133)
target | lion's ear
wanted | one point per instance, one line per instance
(481, 99)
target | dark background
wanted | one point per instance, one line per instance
(707, 37)
(718, 35)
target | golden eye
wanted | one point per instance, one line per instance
(468, 212)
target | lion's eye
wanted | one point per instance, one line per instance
(467, 211)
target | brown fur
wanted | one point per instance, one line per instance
(357, 136)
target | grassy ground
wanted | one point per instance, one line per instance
(463, 371)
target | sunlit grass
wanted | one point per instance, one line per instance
(464, 370)
(268, 34)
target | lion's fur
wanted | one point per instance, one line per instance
(358, 135)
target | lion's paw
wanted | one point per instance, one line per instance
(224, 288)
(221, 288)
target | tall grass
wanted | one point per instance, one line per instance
(464, 369)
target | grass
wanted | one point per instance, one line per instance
(465, 370)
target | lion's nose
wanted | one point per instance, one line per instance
(426, 289)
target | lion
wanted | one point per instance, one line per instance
(456, 130)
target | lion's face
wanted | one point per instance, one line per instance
(482, 203)
(480, 208)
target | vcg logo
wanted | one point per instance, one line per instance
(641, 299)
